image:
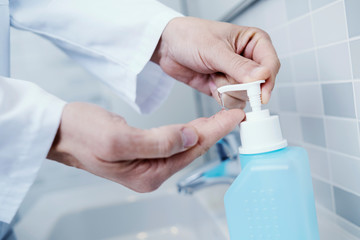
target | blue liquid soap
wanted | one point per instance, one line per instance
(272, 198)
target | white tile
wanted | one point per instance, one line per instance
(342, 135)
(287, 100)
(296, 8)
(357, 98)
(291, 127)
(347, 205)
(320, 3)
(353, 17)
(313, 130)
(338, 99)
(322, 193)
(301, 37)
(355, 58)
(330, 24)
(247, 19)
(267, 9)
(334, 62)
(305, 69)
(345, 171)
(308, 99)
(280, 40)
(333, 227)
(319, 163)
(273, 104)
(285, 72)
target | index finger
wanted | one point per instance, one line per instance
(264, 53)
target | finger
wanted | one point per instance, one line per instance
(159, 142)
(210, 131)
(188, 76)
(244, 70)
(240, 68)
(236, 99)
(265, 54)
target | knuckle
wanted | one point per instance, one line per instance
(261, 33)
(166, 145)
(240, 63)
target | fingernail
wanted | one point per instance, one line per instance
(255, 72)
(189, 137)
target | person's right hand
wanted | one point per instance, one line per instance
(100, 142)
(208, 54)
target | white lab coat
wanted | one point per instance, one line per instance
(113, 39)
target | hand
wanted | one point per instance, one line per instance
(206, 55)
(100, 142)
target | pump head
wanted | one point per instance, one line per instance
(253, 92)
(260, 132)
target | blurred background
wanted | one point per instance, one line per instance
(317, 94)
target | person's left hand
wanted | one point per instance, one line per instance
(207, 54)
(102, 143)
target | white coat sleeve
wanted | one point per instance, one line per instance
(112, 39)
(29, 119)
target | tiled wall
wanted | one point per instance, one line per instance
(317, 93)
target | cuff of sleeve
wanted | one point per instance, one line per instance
(31, 130)
(152, 85)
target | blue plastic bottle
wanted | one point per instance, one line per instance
(272, 198)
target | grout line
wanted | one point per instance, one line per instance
(290, 21)
(345, 189)
(331, 117)
(334, 219)
(310, 83)
(329, 170)
(354, 38)
(349, 225)
(330, 151)
(352, 74)
(319, 178)
(332, 183)
(315, 48)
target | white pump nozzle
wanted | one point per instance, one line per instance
(260, 132)
(253, 92)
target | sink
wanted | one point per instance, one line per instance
(113, 212)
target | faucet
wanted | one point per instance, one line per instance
(223, 170)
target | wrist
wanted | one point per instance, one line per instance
(162, 47)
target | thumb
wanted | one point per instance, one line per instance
(240, 68)
(162, 142)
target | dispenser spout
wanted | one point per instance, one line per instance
(253, 92)
(260, 132)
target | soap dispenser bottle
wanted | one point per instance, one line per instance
(272, 198)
